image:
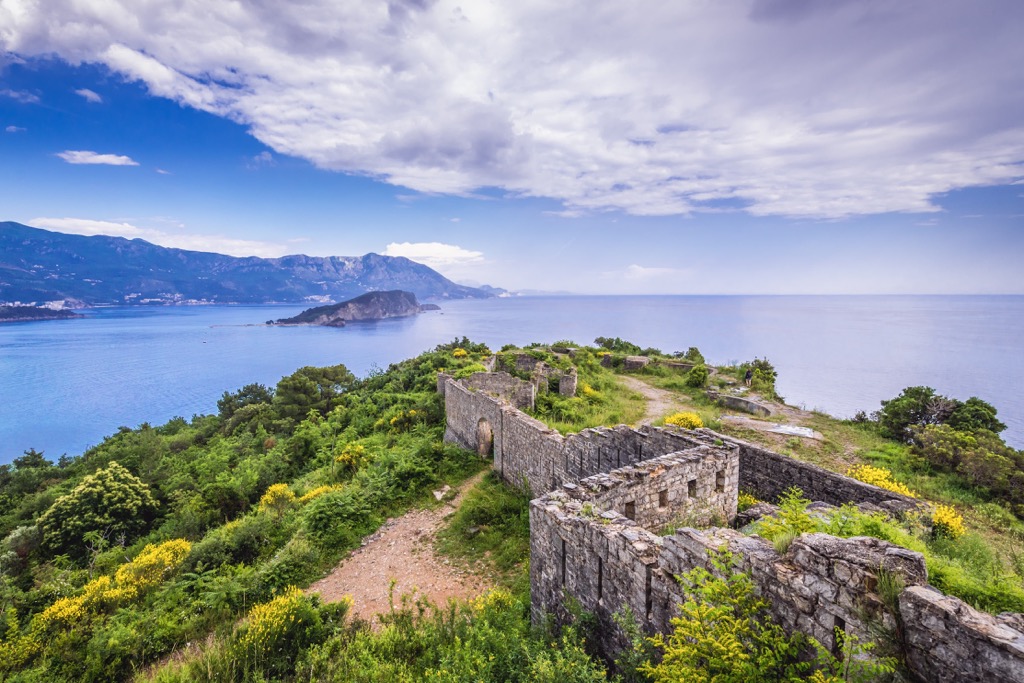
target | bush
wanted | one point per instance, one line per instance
(685, 420)
(697, 376)
(946, 521)
(880, 477)
(338, 519)
(694, 355)
(112, 502)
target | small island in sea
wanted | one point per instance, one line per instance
(17, 314)
(366, 307)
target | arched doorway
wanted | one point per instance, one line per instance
(484, 438)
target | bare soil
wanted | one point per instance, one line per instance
(660, 403)
(402, 552)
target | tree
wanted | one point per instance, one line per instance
(913, 407)
(250, 394)
(111, 503)
(973, 415)
(310, 388)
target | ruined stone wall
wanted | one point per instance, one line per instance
(768, 475)
(590, 537)
(607, 561)
(502, 385)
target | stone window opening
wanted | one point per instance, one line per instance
(691, 488)
(600, 580)
(663, 498)
(720, 481)
(630, 511)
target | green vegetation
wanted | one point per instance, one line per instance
(493, 522)
(960, 564)
(196, 536)
(725, 634)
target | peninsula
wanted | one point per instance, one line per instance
(17, 314)
(369, 306)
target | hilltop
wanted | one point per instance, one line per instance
(40, 266)
(205, 566)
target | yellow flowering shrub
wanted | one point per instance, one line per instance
(151, 567)
(685, 420)
(746, 500)
(880, 477)
(316, 493)
(946, 521)
(460, 353)
(278, 497)
(492, 599)
(405, 420)
(276, 631)
(352, 457)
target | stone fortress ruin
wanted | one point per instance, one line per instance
(604, 496)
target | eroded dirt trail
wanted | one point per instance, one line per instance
(660, 402)
(402, 550)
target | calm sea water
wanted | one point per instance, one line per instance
(64, 385)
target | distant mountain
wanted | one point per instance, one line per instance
(369, 306)
(40, 265)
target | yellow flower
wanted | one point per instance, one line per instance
(685, 420)
(946, 521)
(880, 477)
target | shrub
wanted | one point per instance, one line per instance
(685, 420)
(278, 498)
(459, 353)
(338, 519)
(880, 477)
(746, 500)
(697, 376)
(275, 632)
(946, 521)
(694, 355)
(112, 502)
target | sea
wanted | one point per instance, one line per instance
(65, 385)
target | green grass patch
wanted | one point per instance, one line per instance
(492, 525)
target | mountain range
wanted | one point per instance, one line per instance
(38, 266)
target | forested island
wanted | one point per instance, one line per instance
(186, 551)
(367, 307)
(14, 314)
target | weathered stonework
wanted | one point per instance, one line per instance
(592, 537)
(745, 405)
(635, 362)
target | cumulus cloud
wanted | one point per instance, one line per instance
(773, 107)
(434, 254)
(178, 240)
(87, 157)
(89, 95)
(14, 129)
(17, 95)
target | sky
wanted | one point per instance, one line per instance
(749, 146)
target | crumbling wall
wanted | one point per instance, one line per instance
(608, 563)
(768, 475)
(502, 385)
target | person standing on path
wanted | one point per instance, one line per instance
(748, 377)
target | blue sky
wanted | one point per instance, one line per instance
(766, 146)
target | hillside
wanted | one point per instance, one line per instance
(198, 565)
(369, 306)
(40, 265)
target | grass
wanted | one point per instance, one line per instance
(491, 527)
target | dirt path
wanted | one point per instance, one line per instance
(402, 550)
(659, 402)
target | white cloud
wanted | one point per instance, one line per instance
(262, 160)
(163, 172)
(87, 157)
(778, 107)
(434, 254)
(17, 95)
(640, 273)
(14, 129)
(89, 95)
(178, 240)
